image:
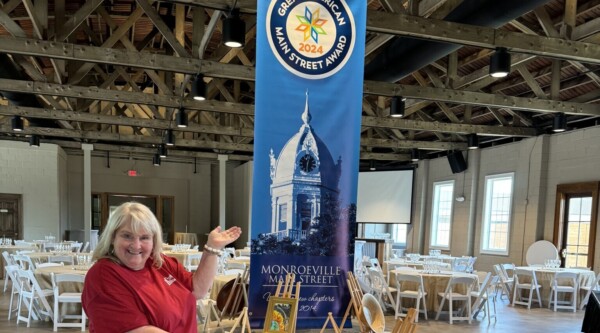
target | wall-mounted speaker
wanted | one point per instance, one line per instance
(457, 162)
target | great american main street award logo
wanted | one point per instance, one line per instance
(312, 39)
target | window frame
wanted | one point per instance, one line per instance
(486, 212)
(434, 221)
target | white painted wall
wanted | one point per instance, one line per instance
(37, 174)
(191, 190)
(539, 164)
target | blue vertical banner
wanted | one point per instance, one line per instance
(309, 82)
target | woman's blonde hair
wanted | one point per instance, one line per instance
(142, 220)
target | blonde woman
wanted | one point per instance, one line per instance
(133, 287)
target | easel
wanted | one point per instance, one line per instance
(355, 304)
(243, 319)
(288, 292)
(238, 294)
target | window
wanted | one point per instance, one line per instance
(496, 218)
(399, 232)
(441, 214)
(283, 216)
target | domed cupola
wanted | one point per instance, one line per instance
(305, 156)
(302, 175)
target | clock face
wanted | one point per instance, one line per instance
(307, 163)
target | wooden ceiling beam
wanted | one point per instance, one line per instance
(478, 98)
(446, 127)
(138, 139)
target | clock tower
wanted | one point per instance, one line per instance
(302, 174)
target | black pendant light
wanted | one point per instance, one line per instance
(372, 165)
(560, 122)
(34, 141)
(414, 155)
(181, 118)
(156, 160)
(17, 123)
(500, 63)
(234, 29)
(397, 107)
(169, 138)
(199, 88)
(162, 151)
(472, 141)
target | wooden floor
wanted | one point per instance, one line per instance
(509, 319)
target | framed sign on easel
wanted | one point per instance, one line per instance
(283, 307)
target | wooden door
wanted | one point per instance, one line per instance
(576, 214)
(10, 216)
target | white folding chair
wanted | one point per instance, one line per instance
(229, 253)
(49, 264)
(76, 247)
(505, 283)
(67, 260)
(85, 247)
(481, 298)
(509, 270)
(33, 297)
(8, 260)
(525, 280)
(417, 292)
(460, 264)
(593, 284)
(564, 283)
(452, 294)
(192, 260)
(380, 288)
(233, 268)
(24, 261)
(60, 282)
(12, 275)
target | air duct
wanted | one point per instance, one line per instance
(405, 55)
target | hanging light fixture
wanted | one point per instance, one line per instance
(181, 118)
(397, 107)
(372, 165)
(414, 155)
(199, 88)
(17, 123)
(156, 160)
(560, 122)
(500, 63)
(472, 141)
(234, 29)
(162, 151)
(169, 138)
(34, 141)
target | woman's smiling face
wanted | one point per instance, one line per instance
(133, 249)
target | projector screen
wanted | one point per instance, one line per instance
(384, 196)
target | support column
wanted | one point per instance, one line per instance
(222, 184)
(87, 190)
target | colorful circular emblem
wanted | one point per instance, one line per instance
(311, 39)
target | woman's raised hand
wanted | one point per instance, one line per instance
(219, 239)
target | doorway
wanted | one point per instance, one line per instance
(163, 208)
(576, 214)
(11, 222)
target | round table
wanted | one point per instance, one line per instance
(218, 283)
(433, 284)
